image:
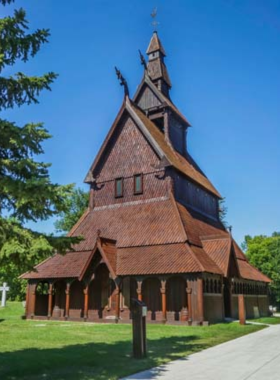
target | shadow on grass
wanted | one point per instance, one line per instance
(98, 361)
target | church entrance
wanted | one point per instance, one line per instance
(227, 298)
(99, 290)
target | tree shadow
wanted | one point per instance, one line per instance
(2, 320)
(98, 361)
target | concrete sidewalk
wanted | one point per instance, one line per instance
(254, 357)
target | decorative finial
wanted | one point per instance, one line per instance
(122, 80)
(154, 23)
(230, 229)
(98, 233)
(142, 59)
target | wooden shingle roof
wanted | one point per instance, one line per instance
(155, 45)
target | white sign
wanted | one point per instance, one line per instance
(144, 311)
(4, 289)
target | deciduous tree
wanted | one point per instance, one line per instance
(264, 253)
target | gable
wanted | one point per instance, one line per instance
(147, 98)
(128, 152)
(233, 270)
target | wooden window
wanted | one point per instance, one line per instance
(119, 187)
(138, 184)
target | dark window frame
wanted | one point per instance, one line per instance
(116, 187)
(137, 192)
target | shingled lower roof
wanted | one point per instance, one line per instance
(132, 224)
(248, 272)
(75, 264)
(70, 265)
(160, 259)
(148, 237)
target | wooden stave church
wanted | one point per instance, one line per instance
(152, 229)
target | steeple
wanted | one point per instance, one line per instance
(156, 67)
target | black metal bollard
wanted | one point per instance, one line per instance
(139, 313)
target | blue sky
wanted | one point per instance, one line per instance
(223, 58)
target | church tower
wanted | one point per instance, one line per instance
(157, 70)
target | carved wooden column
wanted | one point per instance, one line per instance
(189, 300)
(33, 299)
(50, 300)
(86, 302)
(163, 300)
(67, 301)
(117, 303)
(139, 290)
(27, 300)
(200, 303)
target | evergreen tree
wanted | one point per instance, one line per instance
(26, 191)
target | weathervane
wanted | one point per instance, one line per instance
(123, 82)
(155, 23)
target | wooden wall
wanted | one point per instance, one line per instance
(192, 195)
(259, 301)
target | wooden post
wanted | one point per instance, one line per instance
(189, 299)
(163, 300)
(86, 303)
(27, 300)
(117, 303)
(223, 299)
(241, 309)
(33, 300)
(200, 299)
(50, 300)
(67, 301)
(139, 290)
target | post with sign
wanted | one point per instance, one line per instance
(4, 289)
(139, 313)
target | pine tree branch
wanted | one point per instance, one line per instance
(5, 2)
(15, 43)
(22, 89)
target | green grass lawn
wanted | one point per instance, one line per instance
(267, 320)
(83, 351)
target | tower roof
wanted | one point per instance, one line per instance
(156, 67)
(155, 45)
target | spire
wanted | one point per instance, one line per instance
(155, 45)
(156, 67)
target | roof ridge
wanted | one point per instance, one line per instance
(178, 214)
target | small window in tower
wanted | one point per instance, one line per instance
(119, 187)
(159, 122)
(138, 184)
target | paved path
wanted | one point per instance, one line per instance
(252, 357)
